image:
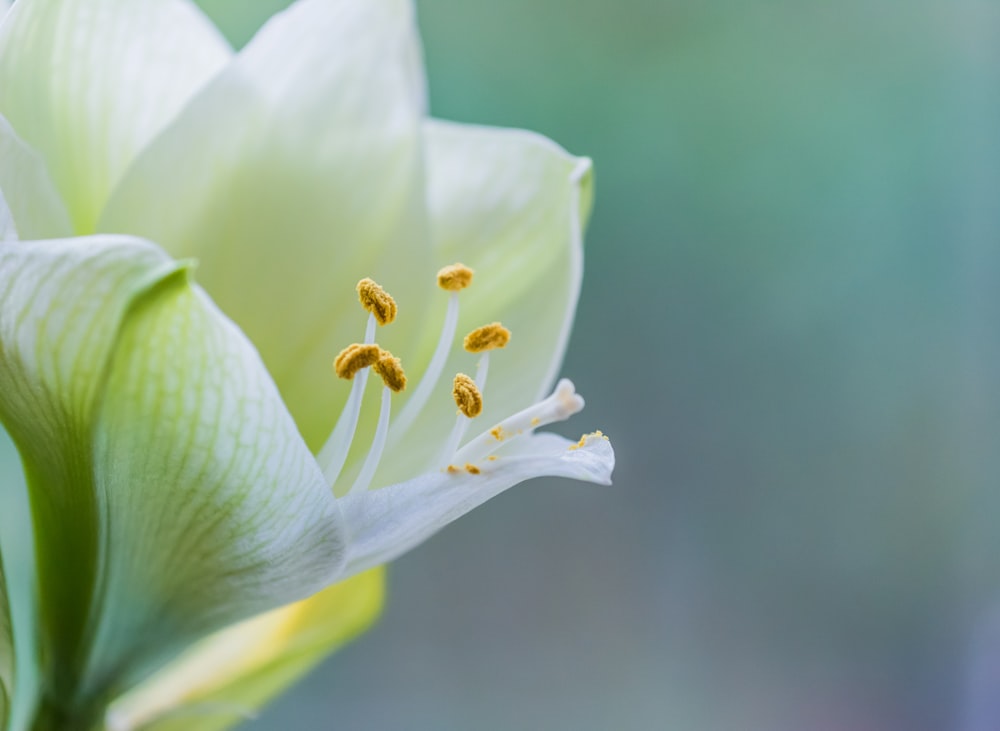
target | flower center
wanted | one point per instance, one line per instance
(356, 360)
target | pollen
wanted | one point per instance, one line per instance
(487, 337)
(454, 277)
(355, 357)
(497, 433)
(587, 437)
(467, 396)
(453, 470)
(390, 369)
(472, 469)
(377, 301)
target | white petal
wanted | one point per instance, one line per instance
(293, 175)
(36, 210)
(387, 522)
(511, 205)
(88, 83)
(171, 490)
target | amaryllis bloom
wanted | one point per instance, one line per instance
(189, 238)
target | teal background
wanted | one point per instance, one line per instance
(789, 328)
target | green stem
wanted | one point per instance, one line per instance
(50, 716)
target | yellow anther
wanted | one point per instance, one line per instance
(472, 469)
(355, 357)
(377, 301)
(586, 437)
(467, 396)
(454, 277)
(391, 371)
(487, 337)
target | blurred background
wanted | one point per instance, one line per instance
(790, 328)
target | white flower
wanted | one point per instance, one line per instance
(168, 398)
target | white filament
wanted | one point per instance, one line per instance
(364, 478)
(334, 452)
(432, 375)
(562, 404)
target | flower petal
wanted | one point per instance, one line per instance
(36, 211)
(387, 522)
(230, 675)
(170, 489)
(88, 83)
(512, 205)
(294, 174)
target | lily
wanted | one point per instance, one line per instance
(188, 236)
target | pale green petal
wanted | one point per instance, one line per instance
(171, 492)
(512, 205)
(87, 83)
(290, 177)
(6, 654)
(37, 212)
(229, 676)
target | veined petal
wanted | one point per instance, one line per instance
(389, 521)
(36, 210)
(296, 171)
(6, 654)
(87, 83)
(171, 492)
(229, 676)
(512, 205)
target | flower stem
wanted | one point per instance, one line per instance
(50, 716)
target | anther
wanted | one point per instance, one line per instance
(377, 301)
(454, 277)
(391, 370)
(355, 357)
(467, 397)
(487, 337)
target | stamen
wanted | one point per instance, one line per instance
(432, 375)
(364, 477)
(334, 452)
(390, 369)
(377, 301)
(467, 397)
(562, 404)
(355, 357)
(464, 419)
(454, 277)
(487, 337)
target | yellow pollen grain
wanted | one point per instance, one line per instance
(536, 421)
(390, 369)
(497, 433)
(467, 396)
(453, 470)
(355, 357)
(454, 277)
(492, 458)
(377, 301)
(472, 469)
(583, 440)
(487, 337)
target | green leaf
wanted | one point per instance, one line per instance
(170, 490)
(87, 83)
(291, 176)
